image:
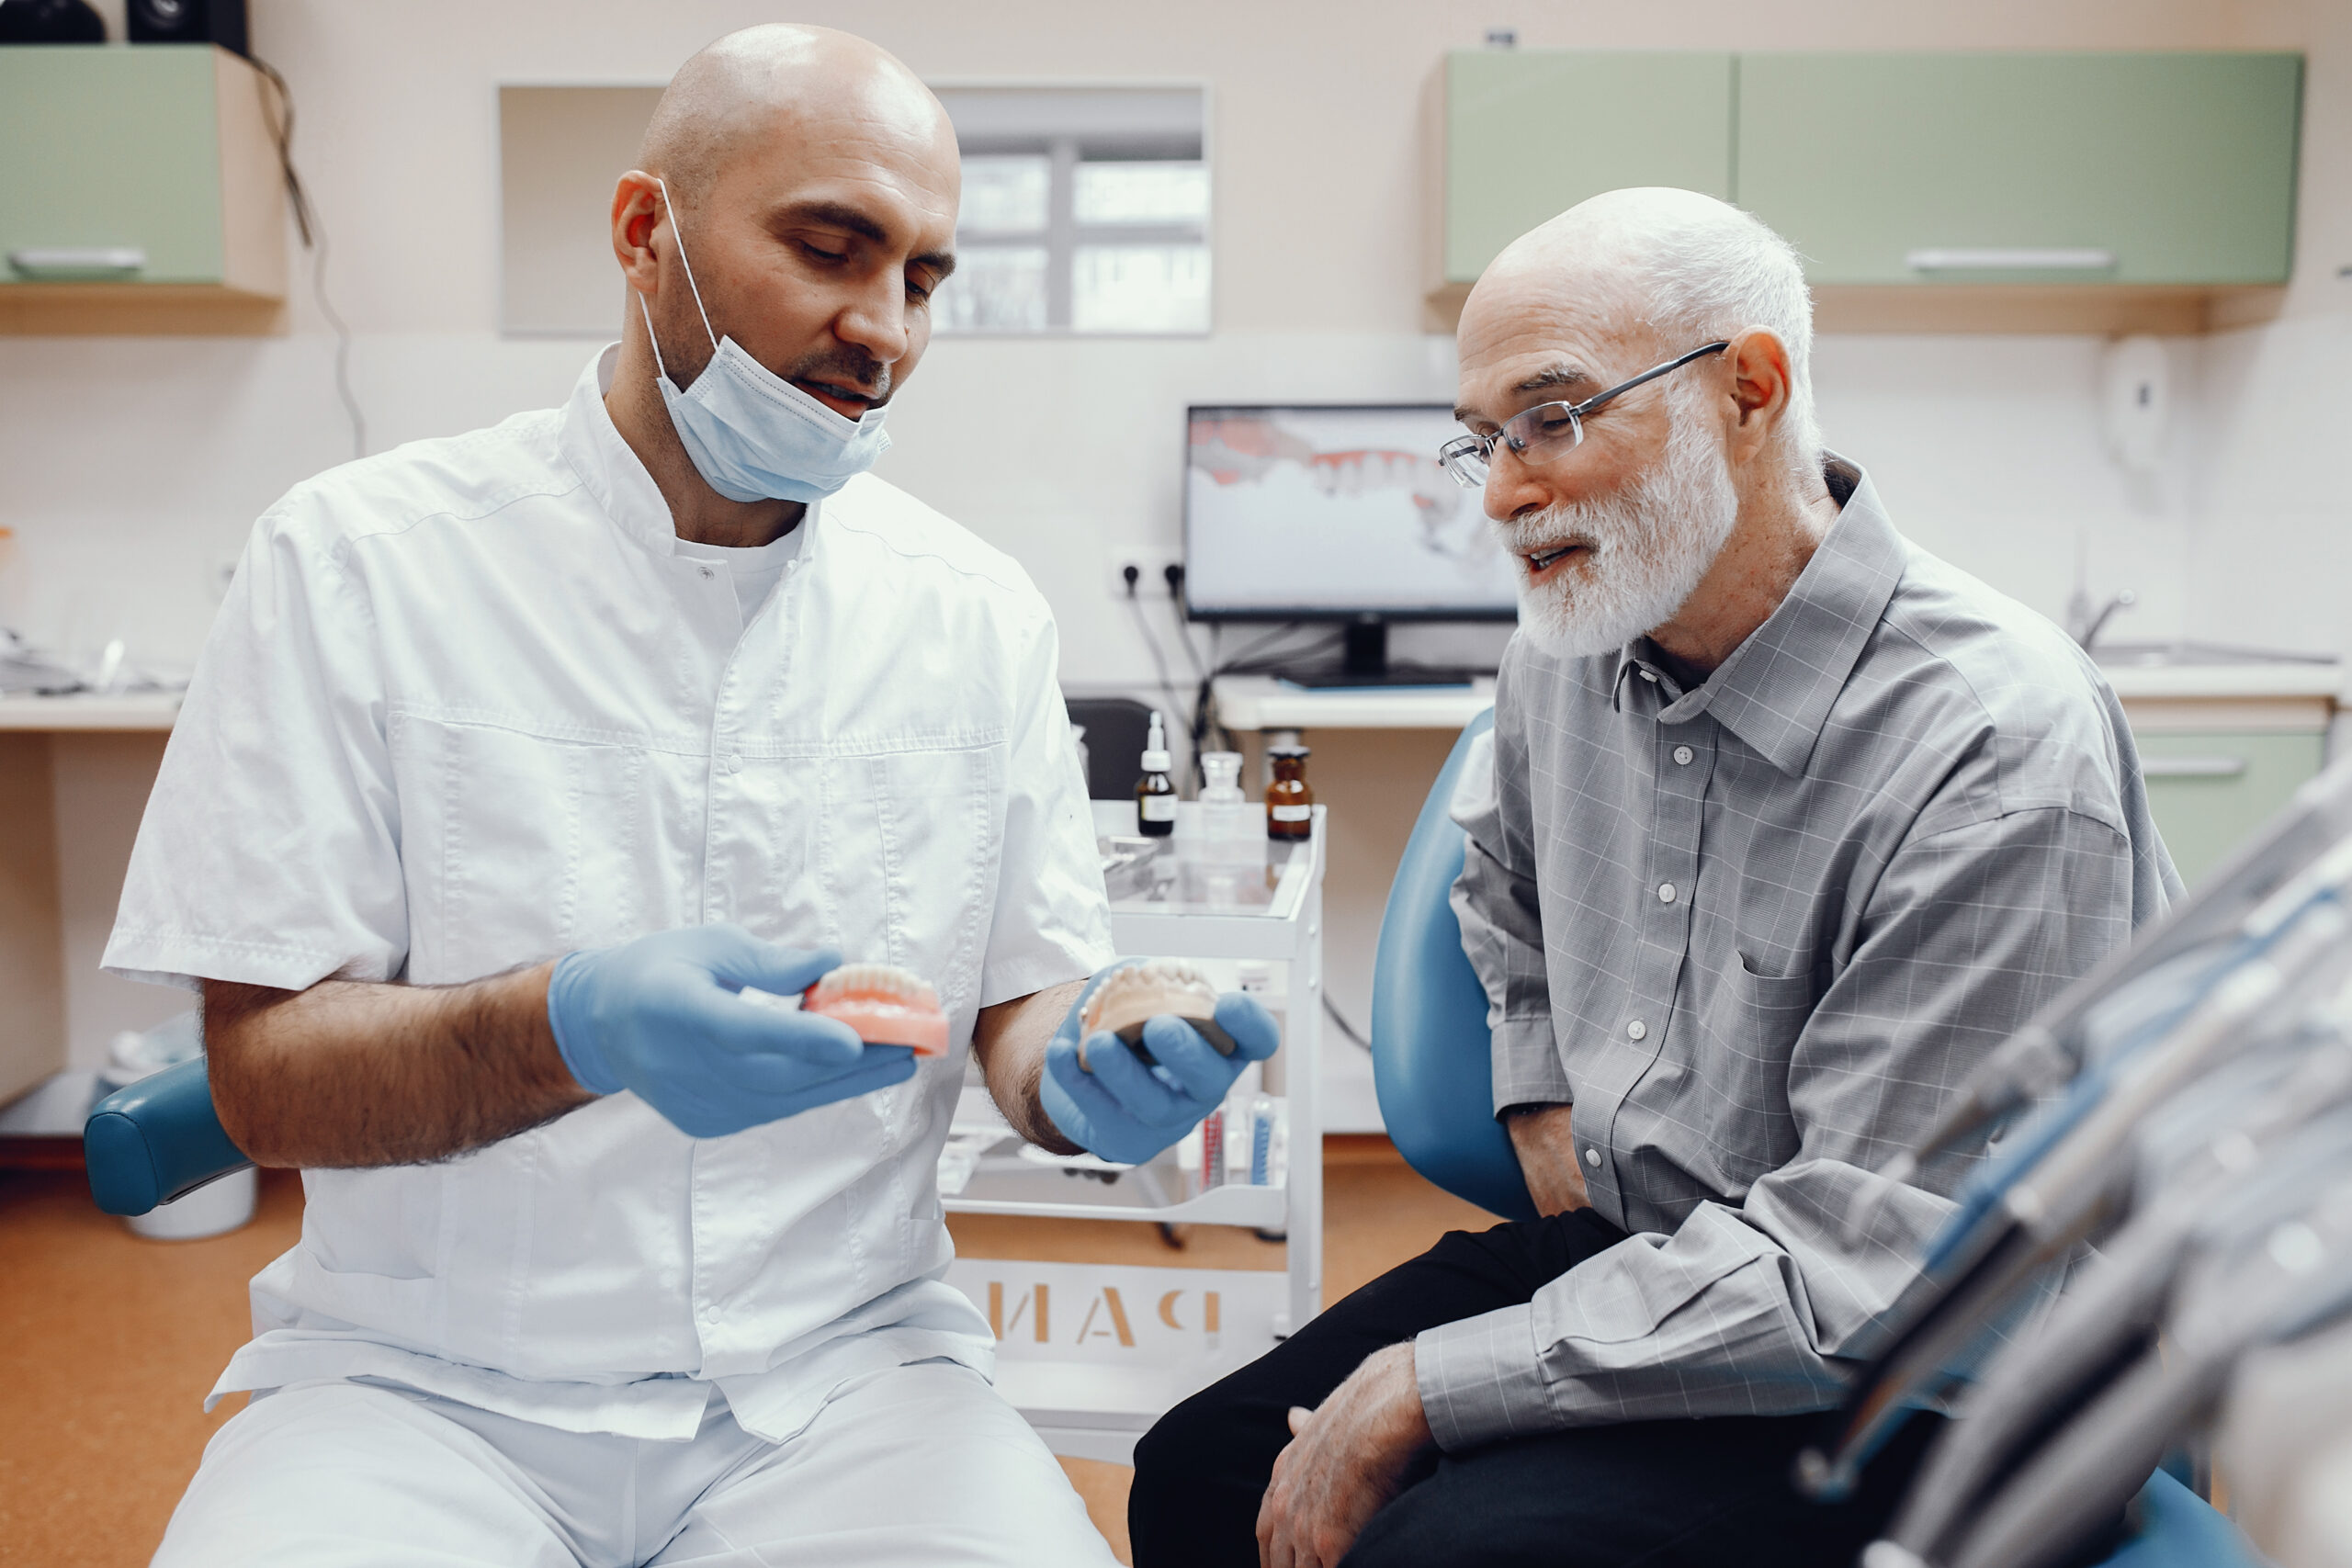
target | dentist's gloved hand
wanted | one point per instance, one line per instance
(1125, 1111)
(662, 1016)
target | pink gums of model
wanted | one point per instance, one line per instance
(887, 1006)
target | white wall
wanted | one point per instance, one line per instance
(134, 467)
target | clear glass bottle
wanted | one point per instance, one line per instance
(1224, 810)
(1155, 792)
(1290, 804)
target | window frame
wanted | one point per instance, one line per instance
(1063, 235)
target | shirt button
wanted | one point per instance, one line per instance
(1682, 755)
(1637, 1030)
(1666, 892)
(1651, 676)
(1592, 1158)
(734, 764)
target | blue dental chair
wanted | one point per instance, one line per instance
(156, 1141)
(1435, 1082)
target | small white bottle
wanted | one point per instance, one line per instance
(1232, 831)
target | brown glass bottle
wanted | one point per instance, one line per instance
(1290, 805)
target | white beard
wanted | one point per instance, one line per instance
(1649, 546)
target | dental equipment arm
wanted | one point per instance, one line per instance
(2290, 1274)
(2111, 1313)
(2024, 1210)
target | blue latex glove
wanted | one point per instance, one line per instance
(660, 1016)
(1126, 1112)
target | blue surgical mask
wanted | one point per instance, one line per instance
(753, 435)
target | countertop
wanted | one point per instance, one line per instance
(150, 712)
(1258, 702)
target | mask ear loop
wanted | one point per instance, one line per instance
(680, 235)
(659, 369)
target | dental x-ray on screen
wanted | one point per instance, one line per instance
(1336, 510)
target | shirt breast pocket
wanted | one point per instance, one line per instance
(1751, 1028)
(520, 845)
(911, 859)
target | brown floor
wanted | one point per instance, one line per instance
(107, 1342)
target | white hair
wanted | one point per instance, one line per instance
(1711, 270)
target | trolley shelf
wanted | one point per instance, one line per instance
(1259, 1208)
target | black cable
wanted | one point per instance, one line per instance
(1254, 660)
(1245, 663)
(1174, 572)
(1159, 661)
(314, 240)
(1346, 1029)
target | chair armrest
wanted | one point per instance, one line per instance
(158, 1139)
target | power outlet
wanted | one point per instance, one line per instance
(1151, 571)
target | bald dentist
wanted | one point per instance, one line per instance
(513, 759)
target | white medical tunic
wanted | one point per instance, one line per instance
(468, 707)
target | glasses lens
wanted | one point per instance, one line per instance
(1542, 434)
(1466, 460)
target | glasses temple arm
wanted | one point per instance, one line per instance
(1594, 401)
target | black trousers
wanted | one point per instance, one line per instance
(1653, 1493)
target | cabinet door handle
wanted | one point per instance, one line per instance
(2192, 767)
(1998, 258)
(84, 261)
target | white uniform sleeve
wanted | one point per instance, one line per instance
(269, 853)
(1052, 922)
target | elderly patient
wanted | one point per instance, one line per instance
(604, 1261)
(1789, 823)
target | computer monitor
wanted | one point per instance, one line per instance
(1334, 512)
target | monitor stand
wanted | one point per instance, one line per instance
(1365, 663)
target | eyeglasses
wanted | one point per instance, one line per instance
(1546, 433)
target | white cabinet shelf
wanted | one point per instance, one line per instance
(1047, 1194)
(1105, 1350)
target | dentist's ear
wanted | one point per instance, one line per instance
(638, 212)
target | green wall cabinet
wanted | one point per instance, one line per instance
(2147, 168)
(2207, 793)
(2162, 175)
(1529, 133)
(129, 171)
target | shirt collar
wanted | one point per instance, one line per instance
(610, 470)
(1776, 689)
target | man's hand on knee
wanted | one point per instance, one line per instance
(1345, 1461)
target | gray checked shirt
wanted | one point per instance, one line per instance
(1757, 933)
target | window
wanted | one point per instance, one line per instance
(1085, 211)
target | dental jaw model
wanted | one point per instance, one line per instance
(887, 1006)
(1141, 991)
